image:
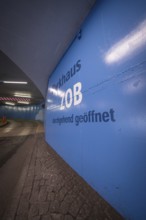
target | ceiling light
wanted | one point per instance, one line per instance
(9, 103)
(15, 82)
(27, 95)
(23, 102)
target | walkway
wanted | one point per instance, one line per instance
(48, 189)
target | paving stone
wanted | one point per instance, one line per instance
(37, 176)
(53, 191)
(34, 210)
(80, 218)
(34, 218)
(27, 189)
(36, 182)
(9, 218)
(84, 211)
(43, 208)
(56, 216)
(68, 217)
(25, 196)
(34, 196)
(51, 196)
(46, 217)
(64, 207)
(21, 217)
(23, 208)
(43, 194)
(62, 193)
(65, 204)
(42, 182)
(69, 185)
(54, 206)
(29, 181)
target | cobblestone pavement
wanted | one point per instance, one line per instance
(49, 189)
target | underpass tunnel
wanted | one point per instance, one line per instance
(76, 71)
(43, 31)
(19, 96)
(33, 38)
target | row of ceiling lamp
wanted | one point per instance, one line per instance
(23, 98)
(19, 102)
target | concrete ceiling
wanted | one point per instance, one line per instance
(34, 35)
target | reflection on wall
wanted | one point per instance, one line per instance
(128, 45)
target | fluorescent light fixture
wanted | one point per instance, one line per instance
(15, 82)
(23, 102)
(26, 95)
(9, 103)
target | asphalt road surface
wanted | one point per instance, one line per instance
(16, 139)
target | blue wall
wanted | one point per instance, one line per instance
(33, 112)
(96, 105)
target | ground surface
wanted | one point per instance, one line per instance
(36, 184)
